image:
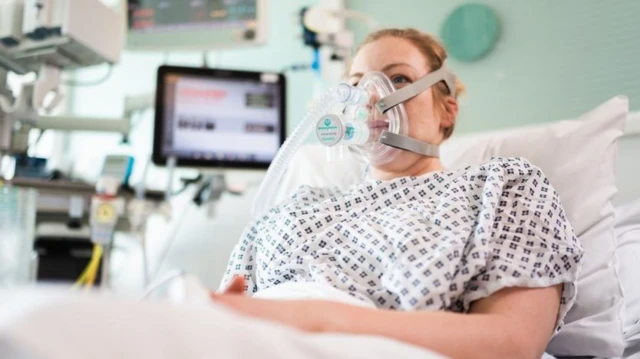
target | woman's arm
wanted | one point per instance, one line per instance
(511, 323)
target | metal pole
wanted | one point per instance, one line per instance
(69, 123)
(4, 82)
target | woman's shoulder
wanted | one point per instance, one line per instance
(508, 162)
(506, 172)
(507, 166)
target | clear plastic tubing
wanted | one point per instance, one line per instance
(343, 93)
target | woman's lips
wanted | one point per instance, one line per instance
(378, 125)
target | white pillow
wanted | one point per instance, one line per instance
(628, 251)
(579, 158)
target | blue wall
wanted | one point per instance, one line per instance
(556, 58)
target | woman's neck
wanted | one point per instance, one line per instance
(418, 168)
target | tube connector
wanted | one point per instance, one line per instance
(351, 95)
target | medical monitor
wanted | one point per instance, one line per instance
(218, 118)
(166, 25)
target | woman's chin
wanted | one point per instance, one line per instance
(397, 163)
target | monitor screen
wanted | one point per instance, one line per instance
(218, 118)
(169, 15)
(195, 24)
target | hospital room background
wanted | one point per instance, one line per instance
(553, 60)
(527, 66)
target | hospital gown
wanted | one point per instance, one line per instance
(435, 242)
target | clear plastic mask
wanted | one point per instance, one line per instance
(356, 129)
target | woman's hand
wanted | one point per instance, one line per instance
(306, 315)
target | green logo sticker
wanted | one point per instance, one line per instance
(329, 130)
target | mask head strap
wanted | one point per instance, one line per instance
(416, 88)
(409, 144)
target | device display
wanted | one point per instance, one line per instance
(195, 24)
(180, 14)
(211, 117)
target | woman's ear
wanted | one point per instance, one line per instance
(450, 114)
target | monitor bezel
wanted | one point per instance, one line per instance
(160, 159)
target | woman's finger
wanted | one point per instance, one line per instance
(236, 286)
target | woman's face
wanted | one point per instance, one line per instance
(403, 63)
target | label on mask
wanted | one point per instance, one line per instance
(349, 131)
(329, 130)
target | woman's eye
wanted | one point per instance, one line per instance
(400, 80)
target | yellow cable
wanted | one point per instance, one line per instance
(95, 265)
(90, 276)
(85, 273)
(90, 272)
(93, 273)
(83, 277)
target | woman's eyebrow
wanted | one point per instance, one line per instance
(386, 68)
(396, 64)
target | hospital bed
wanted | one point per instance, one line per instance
(53, 324)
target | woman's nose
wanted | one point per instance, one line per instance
(373, 98)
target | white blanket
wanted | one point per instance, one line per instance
(53, 324)
(44, 323)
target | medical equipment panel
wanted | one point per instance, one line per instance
(58, 33)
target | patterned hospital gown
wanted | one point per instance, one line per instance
(434, 242)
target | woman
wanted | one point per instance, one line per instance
(474, 263)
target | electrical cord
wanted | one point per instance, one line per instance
(368, 20)
(90, 273)
(186, 183)
(91, 83)
(32, 145)
(37, 140)
(160, 282)
(171, 240)
(145, 258)
(181, 190)
(296, 67)
(205, 61)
